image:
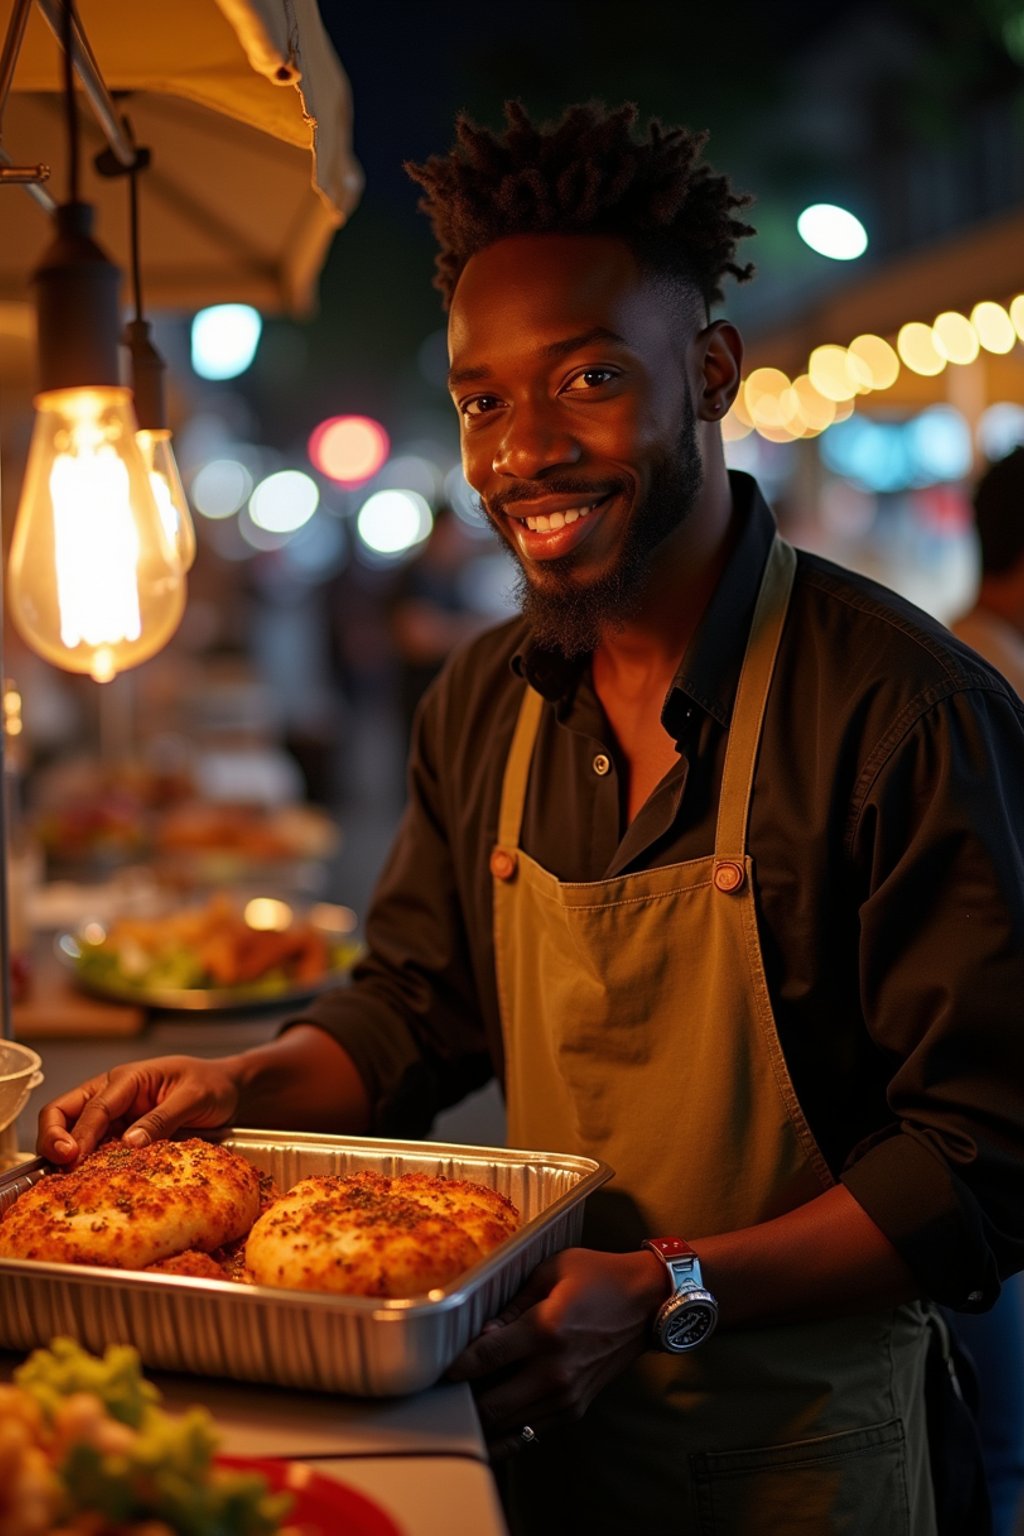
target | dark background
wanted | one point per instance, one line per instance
(909, 113)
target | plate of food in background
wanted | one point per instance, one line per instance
(230, 951)
(210, 843)
(86, 814)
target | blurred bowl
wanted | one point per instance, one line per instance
(19, 1074)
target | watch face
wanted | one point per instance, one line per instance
(688, 1323)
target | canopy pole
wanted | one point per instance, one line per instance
(93, 84)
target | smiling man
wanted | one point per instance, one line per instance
(714, 858)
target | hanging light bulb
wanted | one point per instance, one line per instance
(154, 440)
(96, 581)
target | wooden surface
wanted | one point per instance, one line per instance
(55, 1009)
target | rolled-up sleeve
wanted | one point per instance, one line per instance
(939, 845)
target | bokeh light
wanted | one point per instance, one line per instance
(1000, 429)
(1017, 315)
(815, 411)
(284, 502)
(916, 346)
(955, 337)
(832, 231)
(348, 449)
(878, 357)
(837, 374)
(224, 340)
(394, 521)
(939, 443)
(410, 472)
(220, 488)
(995, 329)
(762, 394)
(733, 428)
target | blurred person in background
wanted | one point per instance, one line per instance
(688, 860)
(995, 1340)
(430, 610)
(995, 625)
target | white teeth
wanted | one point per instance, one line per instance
(558, 520)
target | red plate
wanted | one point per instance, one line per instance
(322, 1507)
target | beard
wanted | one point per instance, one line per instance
(567, 616)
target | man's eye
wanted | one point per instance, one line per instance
(590, 378)
(479, 405)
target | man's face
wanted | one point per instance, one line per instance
(569, 370)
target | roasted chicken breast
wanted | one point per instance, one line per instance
(130, 1207)
(367, 1234)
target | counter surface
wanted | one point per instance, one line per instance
(420, 1458)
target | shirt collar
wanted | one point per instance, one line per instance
(710, 669)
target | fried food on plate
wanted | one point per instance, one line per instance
(219, 944)
(130, 1207)
(368, 1234)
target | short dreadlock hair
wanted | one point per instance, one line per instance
(588, 173)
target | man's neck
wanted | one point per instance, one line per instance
(646, 651)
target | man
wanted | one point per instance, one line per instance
(713, 856)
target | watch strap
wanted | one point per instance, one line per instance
(668, 1247)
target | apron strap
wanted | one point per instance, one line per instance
(744, 733)
(517, 769)
(751, 698)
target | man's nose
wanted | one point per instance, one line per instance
(534, 442)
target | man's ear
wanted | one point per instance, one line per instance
(720, 350)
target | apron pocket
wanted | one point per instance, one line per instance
(846, 1484)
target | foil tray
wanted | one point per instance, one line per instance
(364, 1346)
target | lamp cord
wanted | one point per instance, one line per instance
(71, 108)
(133, 219)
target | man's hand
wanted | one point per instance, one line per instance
(579, 1321)
(141, 1101)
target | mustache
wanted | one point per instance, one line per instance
(565, 485)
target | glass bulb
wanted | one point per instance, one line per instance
(158, 456)
(96, 583)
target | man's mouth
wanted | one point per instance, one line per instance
(555, 520)
(549, 528)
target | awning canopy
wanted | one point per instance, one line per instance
(247, 114)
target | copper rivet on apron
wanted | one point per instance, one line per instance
(602, 764)
(503, 864)
(728, 876)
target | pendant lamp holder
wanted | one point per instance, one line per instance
(77, 307)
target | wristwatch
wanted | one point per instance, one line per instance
(689, 1315)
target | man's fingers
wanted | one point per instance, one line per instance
(112, 1098)
(178, 1109)
(494, 1350)
(57, 1121)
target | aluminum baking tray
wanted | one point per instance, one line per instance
(360, 1345)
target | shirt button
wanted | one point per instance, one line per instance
(602, 765)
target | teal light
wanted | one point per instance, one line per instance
(832, 232)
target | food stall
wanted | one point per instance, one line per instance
(340, 1401)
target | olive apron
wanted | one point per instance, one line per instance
(638, 1029)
